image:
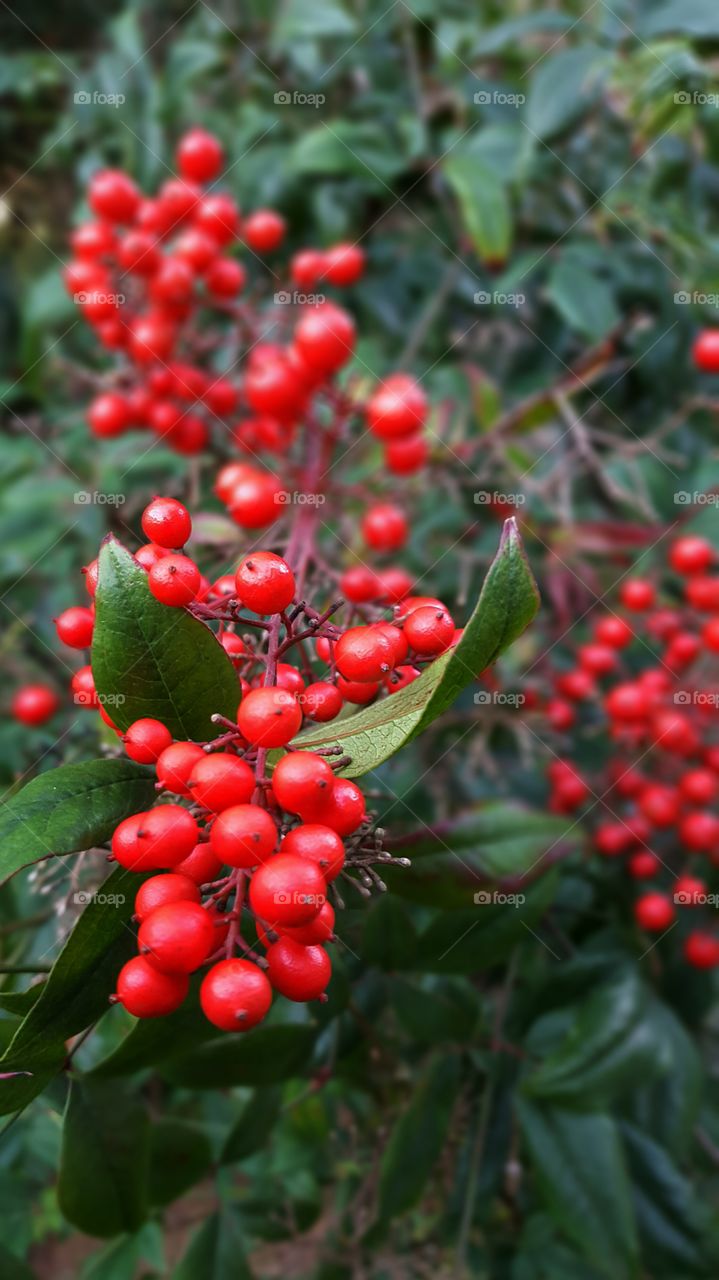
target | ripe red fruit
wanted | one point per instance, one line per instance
(218, 215)
(343, 264)
(108, 415)
(394, 585)
(265, 583)
(654, 912)
(288, 677)
(146, 992)
(178, 937)
(705, 351)
(397, 638)
(344, 811)
(364, 654)
(613, 838)
(306, 268)
(643, 864)
(175, 764)
(145, 740)
(357, 692)
(397, 408)
(702, 592)
(219, 781)
(166, 522)
(691, 554)
(301, 782)
(138, 254)
(319, 930)
(256, 499)
(699, 786)
(174, 581)
(152, 338)
(235, 995)
(359, 584)
(158, 891)
(93, 240)
(597, 659)
(699, 831)
(627, 702)
(406, 455)
(33, 704)
(429, 630)
(710, 635)
(82, 687)
(322, 701)
(113, 195)
(225, 278)
(318, 842)
(287, 890)
(701, 950)
(638, 594)
(615, 632)
(689, 891)
(155, 840)
(660, 805)
(560, 714)
(201, 865)
(264, 230)
(384, 527)
(297, 972)
(269, 717)
(75, 627)
(325, 338)
(199, 155)
(243, 835)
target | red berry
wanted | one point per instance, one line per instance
(394, 585)
(691, 554)
(145, 740)
(287, 890)
(345, 809)
(235, 995)
(82, 687)
(643, 864)
(146, 992)
(689, 891)
(615, 632)
(706, 351)
(429, 630)
(699, 831)
(613, 838)
(325, 337)
(174, 581)
(289, 678)
(364, 654)
(306, 268)
(201, 865)
(406, 455)
(269, 717)
(384, 527)
(359, 584)
(108, 415)
(654, 912)
(660, 805)
(702, 592)
(175, 764)
(218, 215)
(319, 930)
(699, 786)
(301, 782)
(264, 230)
(93, 240)
(318, 842)
(166, 522)
(357, 692)
(560, 714)
(701, 950)
(33, 704)
(397, 408)
(265, 583)
(243, 835)
(627, 702)
(159, 890)
(156, 840)
(225, 278)
(297, 972)
(256, 499)
(322, 701)
(219, 781)
(343, 264)
(638, 594)
(113, 195)
(597, 659)
(178, 937)
(75, 627)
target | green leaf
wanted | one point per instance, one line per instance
(76, 992)
(418, 1138)
(507, 604)
(153, 1039)
(180, 1154)
(389, 939)
(216, 1251)
(122, 1257)
(13, 1268)
(265, 1056)
(582, 298)
(578, 1162)
(476, 939)
(611, 1044)
(668, 1107)
(483, 204)
(667, 1210)
(441, 1010)
(564, 85)
(102, 1187)
(73, 807)
(150, 660)
(253, 1127)
(686, 17)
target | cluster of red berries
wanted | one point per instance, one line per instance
(649, 680)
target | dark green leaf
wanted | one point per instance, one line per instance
(74, 807)
(506, 606)
(161, 662)
(266, 1056)
(668, 1213)
(252, 1130)
(12, 1268)
(153, 1039)
(389, 939)
(478, 938)
(583, 298)
(216, 1251)
(564, 85)
(180, 1154)
(686, 17)
(102, 1188)
(418, 1138)
(441, 1010)
(483, 204)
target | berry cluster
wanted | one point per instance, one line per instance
(647, 680)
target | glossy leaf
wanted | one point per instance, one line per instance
(102, 1187)
(216, 1251)
(668, 1214)
(161, 662)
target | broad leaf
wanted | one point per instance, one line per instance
(265, 1056)
(582, 297)
(74, 807)
(483, 203)
(686, 17)
(564, 85)
(484, 935)
(102, 1188)
(253, 1127)
(581, 1175)
(507, 604)
(180, 1154)
(389, 939)
(216, 1251)
(151, 660)
(668, 1212)
(418, 1138)
(153, 1039)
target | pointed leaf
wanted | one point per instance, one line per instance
(102, 1188)
(418, 1138)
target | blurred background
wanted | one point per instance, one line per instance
(535, 186)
